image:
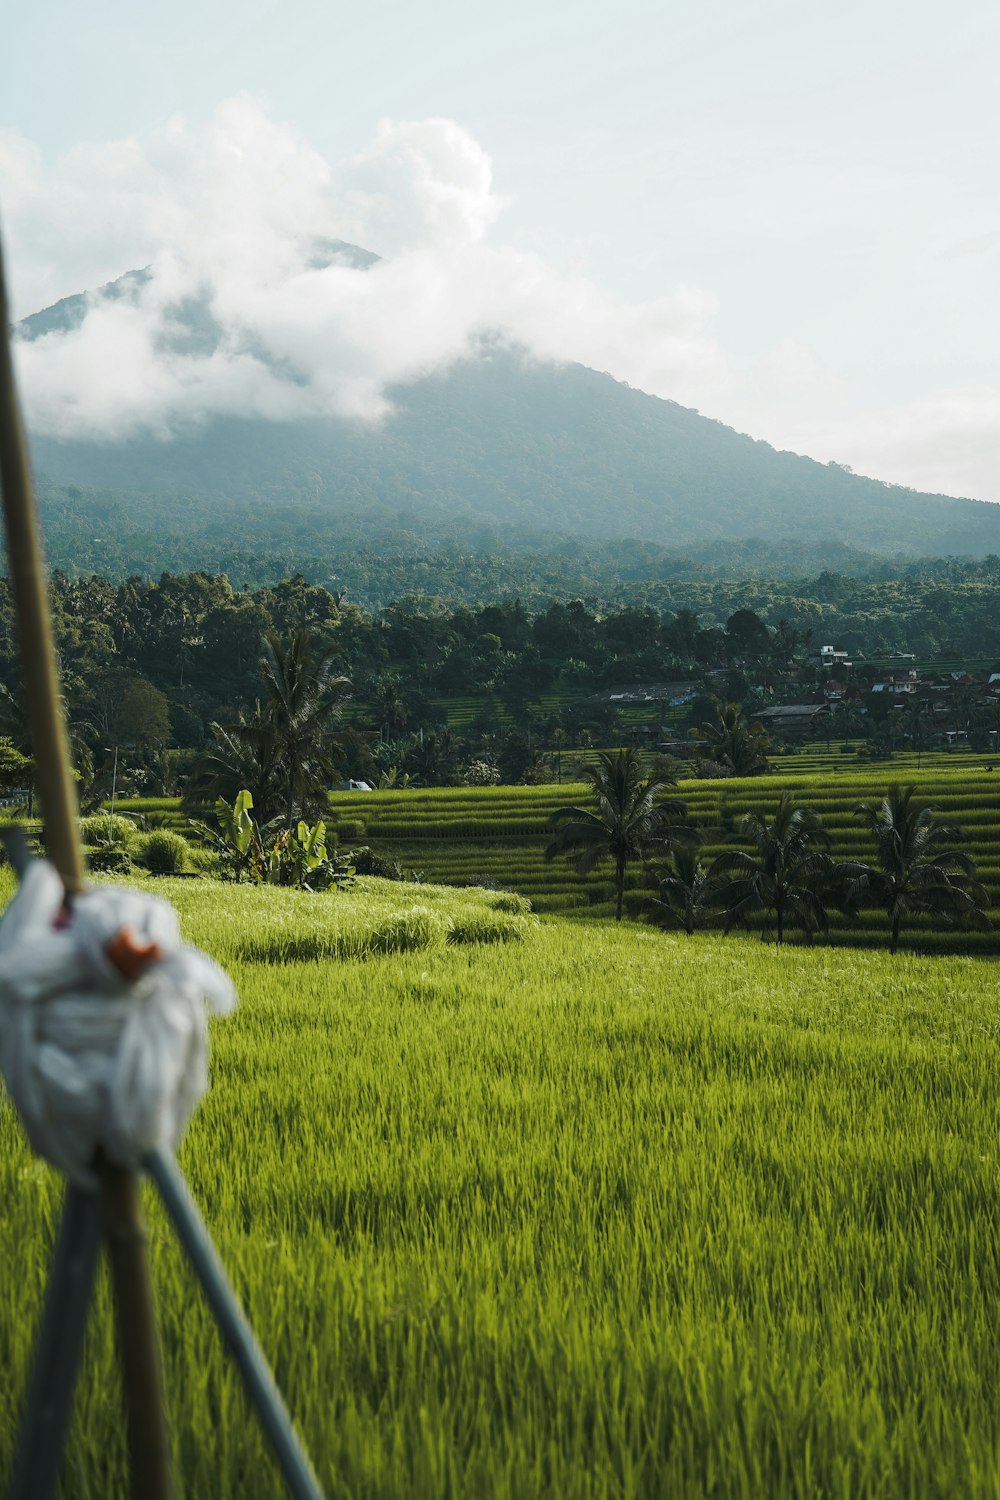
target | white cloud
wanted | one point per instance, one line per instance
(419, 183)
(230, 216)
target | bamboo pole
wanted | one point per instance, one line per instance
(147, 1436)
(49, 742)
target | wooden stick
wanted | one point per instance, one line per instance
(148, 1448)
(49, 742)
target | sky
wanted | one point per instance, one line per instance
(784, 214)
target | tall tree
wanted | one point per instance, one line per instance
(916, 868)
(16, 770)
(243, 756)
(747, 635)
(283, 753)
(735, 743)
(918, 712)
(785, 874)
(390, 703)
(433, 755)
(304, 697)
(632, 818)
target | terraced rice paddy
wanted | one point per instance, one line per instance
(499, 834)
(463, 835)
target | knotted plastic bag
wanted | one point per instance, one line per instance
(103, 1023)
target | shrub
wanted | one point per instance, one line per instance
(111, 862)
(107, 831)
(401, 932)
(150, 821)
(487, 925)
(204, 861)
(512, 901)
(481, 773)
(367, 862)
(164, 853)
(711, 770)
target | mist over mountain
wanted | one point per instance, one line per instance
(499, 441)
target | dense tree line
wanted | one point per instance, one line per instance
(153, 664)
(378, 558)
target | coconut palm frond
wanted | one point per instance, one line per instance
(631, 817)
(917, 869)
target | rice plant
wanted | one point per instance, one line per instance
(606, 1212)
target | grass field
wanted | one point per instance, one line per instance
(595, 1212)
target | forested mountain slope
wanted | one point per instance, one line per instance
(538, 447)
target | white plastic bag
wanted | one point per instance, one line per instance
(91, 1057)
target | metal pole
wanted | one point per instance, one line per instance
(114, 788)
(57, 1354)
(264, 1394)
(50, 746)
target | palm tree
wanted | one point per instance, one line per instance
(785, 875)
(244, 756)
(304, 697)
(432, 756)
(390, 704)
(732, 742)
(282, 753)
(631, 818)
(846, 718)
(686, 889)
(915, 870)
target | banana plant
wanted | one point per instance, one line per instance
(308, 850)
(235, 837)
(296, 854)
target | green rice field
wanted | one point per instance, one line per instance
(498, 835)
(562, 1209)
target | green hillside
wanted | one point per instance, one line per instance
(502, 443)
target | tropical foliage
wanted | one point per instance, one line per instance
(786, 874)
(686, 890)
(285, 752)
(271, 854)
(631, 819)
(734, 743)
(917, 868)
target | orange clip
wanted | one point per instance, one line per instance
(129, 957)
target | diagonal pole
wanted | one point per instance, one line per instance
(232, 1322)
(49, 1401)
(43, 703)
(147, 1437)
